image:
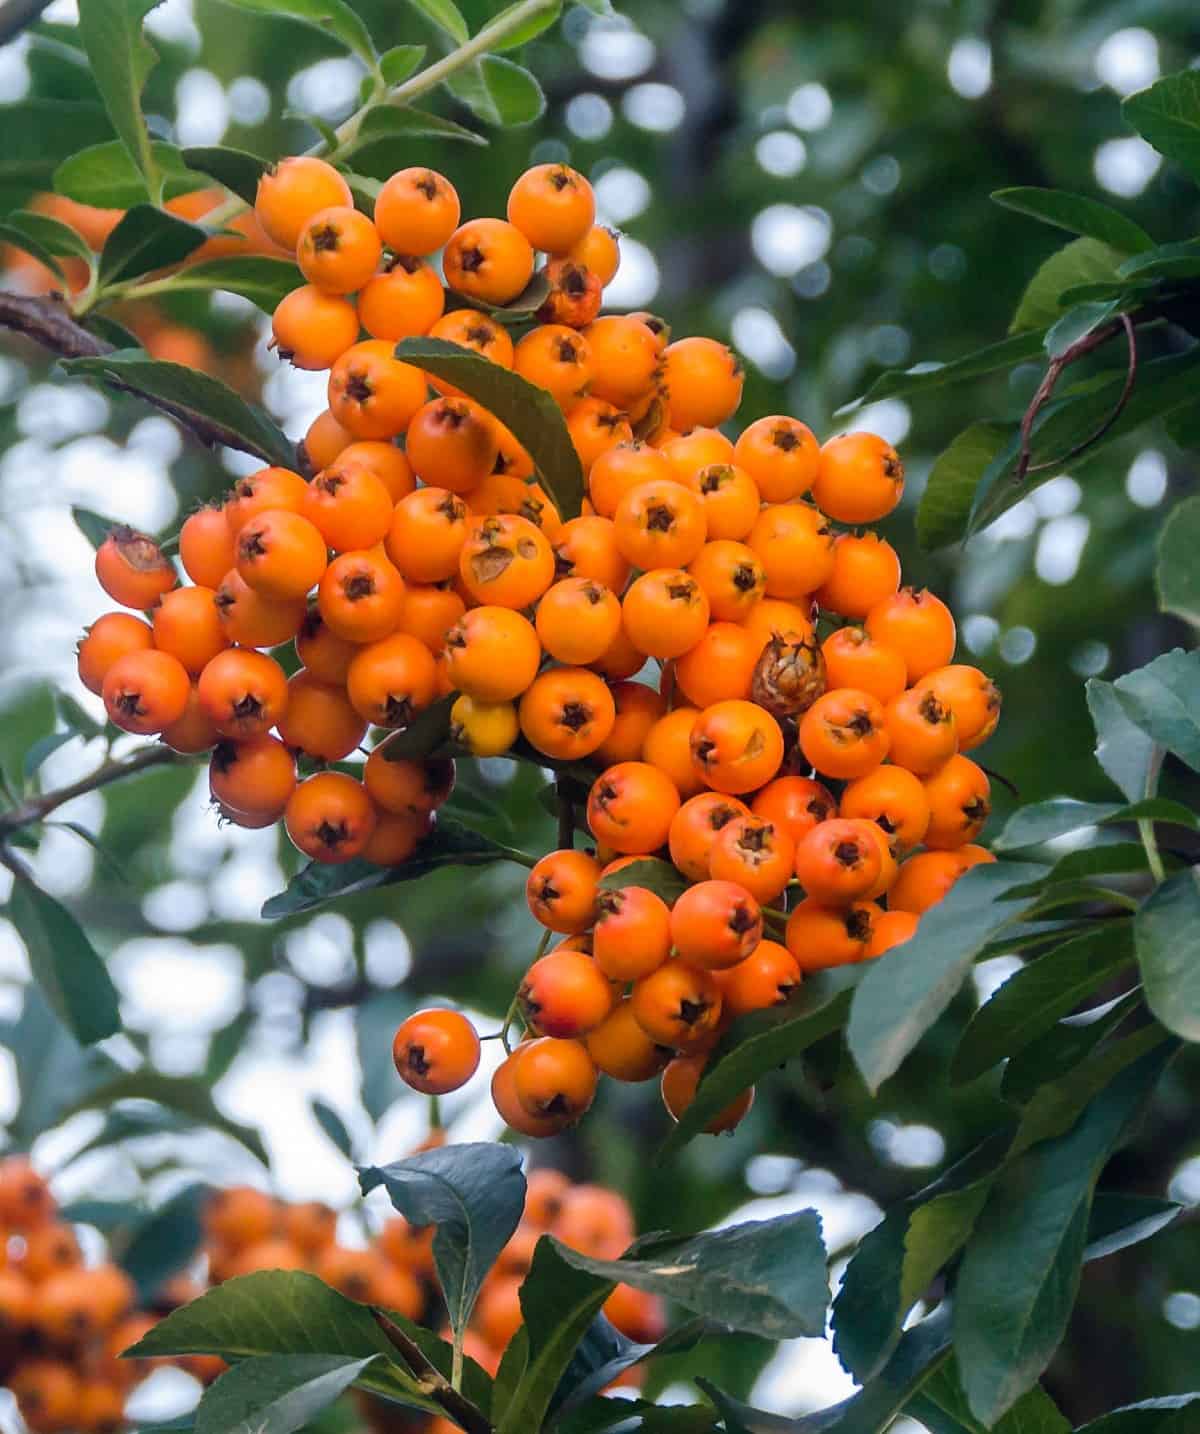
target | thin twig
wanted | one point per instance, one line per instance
(1002, 779)
(38, 808)
(431, 1380)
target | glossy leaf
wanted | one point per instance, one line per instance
(1043, 821)
(652, 872)
(106, 176)
(1077, 323)
(189, 394)
(1163, 700)
(535, 25)
(906, 990)
(396, 64)
(1176, 574)
(334, 1126)
(120, 58)
(385, 121)
(284, 1312)
(1082, 261)
(332, 17)
(474, 1194)
(1176, 1414)
(761, 1042)
(942, 1407)
(40, 135)
(1078, 215)
(925, 377)
(1071, 1041)
(147, 238)
(65, 964)
(276, 1393)
(1124, 751)
(52, 234)
(94, 526)
(261, 280)
(945, 504)
(533, 416)
(766, 1277)
(1118, 1221)
(1167, 933)
(498, 91)
(446, 15)
(1016, 1285)
(1038, 995)
(234, 168)
(165, 1242)
(22, 239)
(1167, 115)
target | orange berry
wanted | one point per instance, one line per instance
(430, 611)
(596, 425)
(892, 928)
(866, 570)
(338, 250)
(621, 1049)
(330, 817)
(794, 804)
(659, 524)
(280, 554)
(823, 936)
(371, 393)
(561, 891)
(921, 732)
(731, 501)
(506, 561)
(391, 680)
(565, 994)
(781, 455)
(773, 617)
(859, 478)
(475, 331)
(622, 660)
(838, 861)
(396, 837)
(599, 250)
(667, 746)
(919, 626)
(704, 382)
(384, 461)
(488, 260)
(311, 328)
(894, 799)
(625, 358)
(566, 713)
(361, 597)
(436, 1051)
(756, 855)
(206, 546)
(145, 691)
(665, 612)
(256, 776)
(715, 923)
(843, 734)
(926, 878)
(732, 577)
(48, 1393)
(244, 693)
(109, 638)
(854, 659)
(578, 620)
(320, 721)
(427, 533)
(514, 1115)
(492, 654)
(973, 698)
(691, 453)
(678, 1006)
(323, 441)
(265, 491)
(348, 506)
(557, 359)
(630, 807)
(594, 1221)
(404, 300)
(696, 827)
(192, 732)
(292, 191)
(574, 294)
(767, 977)
(132, 570)
(416, 211)
(623, 467)
(553, 206)
(959, 796)
(252, 619)
(794, 544)
(720, 666)
(322, 652)
(452, 443)
(679, 1083)
(188, 626)
(736, 746)
(632, 935)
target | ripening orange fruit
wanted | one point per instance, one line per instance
(630, 807)
(859, 478)
(452, 443)
(330, 817)
(574, 294)
(781, 455)
(561, 891)
(110, 637)
(416, 211)
(188, 626)
(926, 878)
(566, 713)
(557, 359)
(621, 1049)
(245, 693)
(819, 937)
(338, 250)
(794, 544)
(565, 994)
(892, 928)
(736, 746)
(553, 206)
(253, 619)
(596, 425)
(679, 1084)
(478, 332)
(261, 492)
(719, 668)
(324, 439)
(384, 461)
(716, 923)
(668, 746)
(430, 611)
(665, 612)
(492, 654)
(371, 393)
(404, 300)
(632, 935)
(292, 191)
(623, 467)
(973, 698)
(600, 251)
(391, 680)
(959, 796)
(854, 659)
(767, 977)
(625, 358)
(794, 804)
(695, 828)
(506, 561)
(206, 546)
(145, 691)
(659, 524)
(426, 536)
(756, 854)
(838, 861)
(844, 734)
(132, 570)
(488, 260)
(320, 721)
(731, 501)
(361, 596)
(553, 1078)
(516, 1117)
(894, 799)
(281, 555)
(311, 328)
(921, 732)
(256, 776)
(919, 626)
(349, 507)
(436, 1051)
(733, 579)
(577, 620)
(704, 382)
(866, 570)
(773, 617)
(678, 1006)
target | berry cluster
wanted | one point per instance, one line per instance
(806, 726)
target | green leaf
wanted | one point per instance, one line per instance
(1162, 699)
(187, 394)
(652, 872)
(906, 990)
(1082, 261)
(20, 239)
(760, 1042)
(52, 234)
(446, 15)
(534, 26)
(262, 280)
(498, 91)
(766, 1277)
(1167, 115)
(187, 1095)
(147, 239)
(425, 734)
(1124, 751)
(945, 505)
(1043, 821)
(396, 64)
(44, 748)
(941, 1405)
(1165, 261)
(533, 416)
(105, 175)
(1072, 1040)
(331, 17)
(474, 1194)
(290, 1313)
(51, 1067)
(1175, 1414)
(234, 168)
(333, 1125)
(1167, 933)
(1033, 1000)
(40, 134)
(1076, 323)
(165, 1242)
(1119, 1220)
(1016, 1285)
(94, 526)
(386, 121)
(276, 1393)
(1176, 575)
(65, 964)
(1078, 215)
(924, 377)
(120, 57)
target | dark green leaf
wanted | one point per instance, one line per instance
(65, 964)
(604, 1353)
(1082, 261)
(1167, 115)
(52, 234)
(104, 1215)
(192, 395)
(43, 748)
(385, 121)
(922, 378)
(105, 175)
(653, 873)
(429, 730)
(1071, 1041)
(942, 1407)
(1039, 995)
(331, 17)
(94, 527)
(165, 1242)
(1175, 1414)
(52, 1068)
(1076, 323)
(1124, 751)
(234, 168)
(766, 1277)
(534, 26)
(40, 134)
(120, 57)
(1118, 1221)
(1167, 933)
(72, 715)
(284, 1312)
(474, 1194)
(147, 239)
(1177, 575)
(906, 990)
(533, 416)
(1165, 261)
(262, 280)
(760, 1042)
(446, 15)
(22, 239)
(396, 64)
(111, 331)
(1016, 1285)
(1078, 215)
(945, 504)
(276, 1393)
(1043, 821)
(187, 1095)
(1163, 700)
(334, 1126)
(375, 1023)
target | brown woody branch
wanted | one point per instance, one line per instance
(433, 1383)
